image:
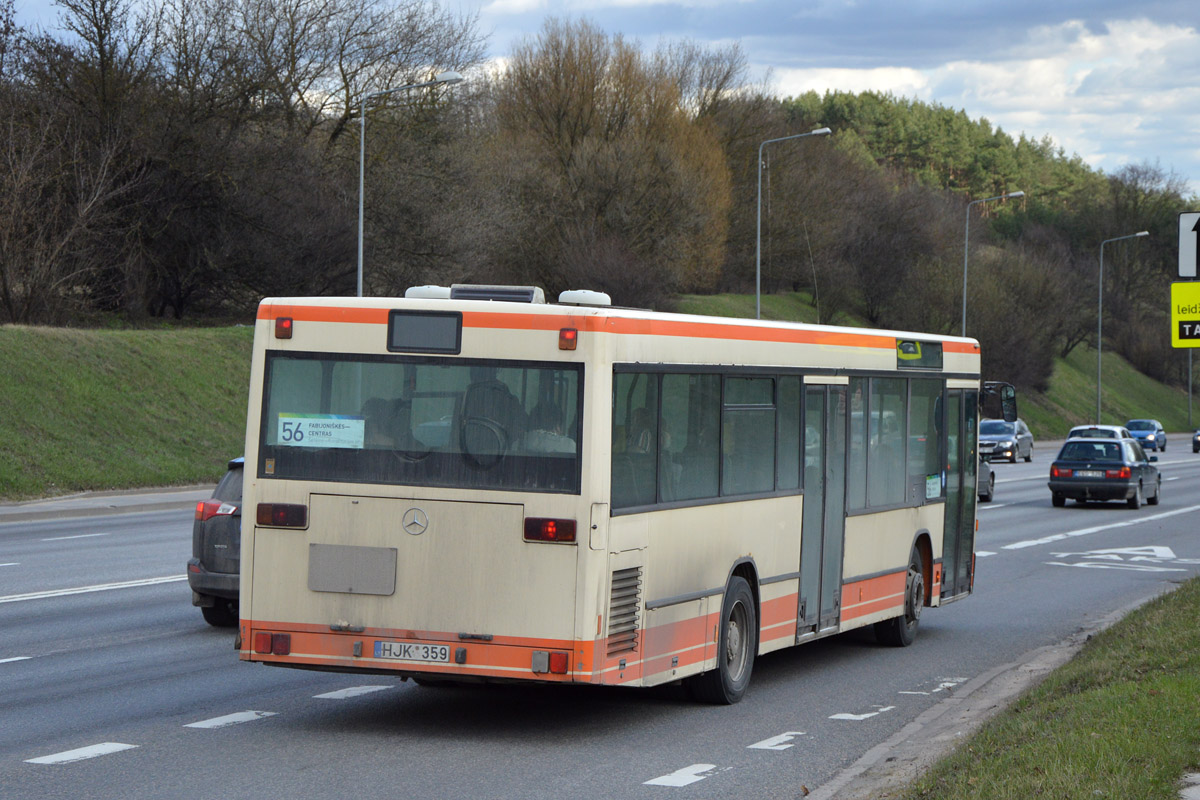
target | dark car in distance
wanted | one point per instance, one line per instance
(1196, 442)
(1005, 440)
(1104, 469)
(1149, 432)
(215, 564)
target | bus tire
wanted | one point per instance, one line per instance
(737, 644)
(901, 631)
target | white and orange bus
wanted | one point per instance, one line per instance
(470, 483)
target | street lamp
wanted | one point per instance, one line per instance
(967, 248)
(758, 242)
(444, 77)
(1100, 312)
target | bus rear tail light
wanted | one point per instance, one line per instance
(538, 529)
(275, 644)
(207, 509)
(282, 515)
(553, 662)
(568, 338)
(1124, 473)
(283, 327)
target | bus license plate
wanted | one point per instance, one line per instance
(1089, 473)
(408, 651)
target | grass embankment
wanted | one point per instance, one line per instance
(104, 409)
(1120, 720)
(1071, 400)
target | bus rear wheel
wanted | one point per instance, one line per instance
(737, 644)
(902, 631)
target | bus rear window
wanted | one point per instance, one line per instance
(421, 421)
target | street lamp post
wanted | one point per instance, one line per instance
(1100, 312)
(444, 77)
(758, 237)
(967, 248)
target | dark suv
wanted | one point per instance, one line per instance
(216, 550)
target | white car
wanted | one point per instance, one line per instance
(1099, 432)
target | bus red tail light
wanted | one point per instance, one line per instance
(568, 338)
(538, 529)
(275, 644)
(283, 327)
(1123, 473)
(558, 663)
(282, 515)
(207, 509)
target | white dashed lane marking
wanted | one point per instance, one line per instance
(353, 691)
(102, 749)
(231, 719)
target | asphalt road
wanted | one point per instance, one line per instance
(121, 690)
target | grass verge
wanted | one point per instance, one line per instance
(103, 409)
(1120, 720)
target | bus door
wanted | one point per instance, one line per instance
(824, 523)
(962, 466)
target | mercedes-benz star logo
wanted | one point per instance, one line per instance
(415, 521)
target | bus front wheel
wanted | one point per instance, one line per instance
(737, 643)
(902, 631)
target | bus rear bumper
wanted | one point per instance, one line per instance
(412, 655)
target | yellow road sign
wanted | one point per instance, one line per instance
(1185, 314)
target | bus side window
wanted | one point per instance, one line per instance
(635, 437)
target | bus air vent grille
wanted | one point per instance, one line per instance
(624, 603)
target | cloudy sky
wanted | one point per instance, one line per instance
(1116, 81)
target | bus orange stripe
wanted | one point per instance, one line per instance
(618, 325)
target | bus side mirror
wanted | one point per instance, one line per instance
(999, 401)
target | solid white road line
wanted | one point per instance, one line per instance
(1058, 537)
(353, 691)
(11, 564)
(82, 753)
(231, 719)
(79, 536)
(103, 587)
(14, 658)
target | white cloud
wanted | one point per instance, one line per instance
(1110, 93)
(901, 81)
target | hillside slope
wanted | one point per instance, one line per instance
(108, 409)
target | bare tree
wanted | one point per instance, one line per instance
(600, 151)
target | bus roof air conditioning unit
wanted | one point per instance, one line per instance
(511, 294)
(584, 297)
(428, 292)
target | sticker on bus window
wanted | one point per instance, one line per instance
(933, 487)
(320, 430)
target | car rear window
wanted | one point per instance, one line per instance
(230, 487)
(1090, 451)
(1140, 425)
(1090, 433)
